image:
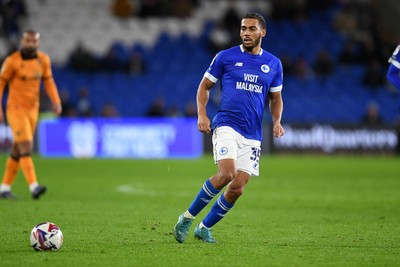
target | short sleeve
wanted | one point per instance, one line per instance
(7, 69)
(393, 76)
(47, 72)
(215, 70)
(277, 82)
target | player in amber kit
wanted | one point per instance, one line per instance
(23, 71)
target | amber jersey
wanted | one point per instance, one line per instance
(24, 77)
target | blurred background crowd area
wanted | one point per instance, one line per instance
(136, 58)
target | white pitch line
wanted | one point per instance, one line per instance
(139, 190)
(130, 189)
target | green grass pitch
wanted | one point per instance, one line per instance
(301, 211)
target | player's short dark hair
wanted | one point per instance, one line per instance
(258, 17)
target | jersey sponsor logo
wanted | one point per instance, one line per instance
(238, 64)
(249, 87)
(250, 83)
(250, 77)
(223, 150)
(265, 68)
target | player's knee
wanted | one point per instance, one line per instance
(233, 193)
(222, 178)
(226, 175)
(25, 147)
(15, 150)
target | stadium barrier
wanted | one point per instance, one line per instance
(6, 138)
(343, 139)
(120, 138)
(179, 138)
(328, 139)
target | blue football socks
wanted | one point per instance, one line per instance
(217, 212)
(206, 193)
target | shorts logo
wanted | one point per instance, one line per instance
(265, 68)
(223, 151)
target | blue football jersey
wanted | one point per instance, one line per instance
(395, 58)
(246, 80)
(393, 74)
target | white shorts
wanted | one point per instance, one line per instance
(229, 144)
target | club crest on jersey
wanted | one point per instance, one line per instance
(265, 68)
(223, 151)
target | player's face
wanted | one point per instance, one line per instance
(30, 42)
(251, 34)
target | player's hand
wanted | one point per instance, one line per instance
(57, 108)
(278, 130)
(1, 117)
(204, 125)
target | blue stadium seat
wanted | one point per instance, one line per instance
(175, 65)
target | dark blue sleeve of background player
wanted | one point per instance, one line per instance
(393, 76)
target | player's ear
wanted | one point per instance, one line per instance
(263, 32)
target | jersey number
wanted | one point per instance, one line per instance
(255, 155)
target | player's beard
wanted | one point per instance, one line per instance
(250, 47)
(29, 51)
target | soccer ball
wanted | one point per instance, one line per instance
(46, 236)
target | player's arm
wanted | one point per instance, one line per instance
(276, 109)
(6, 74)
(50, 86)
(203, 95)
